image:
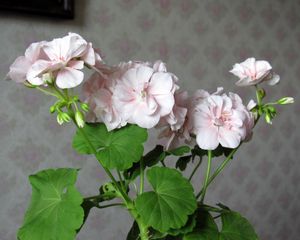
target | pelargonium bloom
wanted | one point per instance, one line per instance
(66, 56)
(22, 64)
(175, 130)
(143, 95)
(221, 119)
(252, 72)
(98, 92)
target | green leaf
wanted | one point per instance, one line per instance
(182, 162)
(179, 151)
(134, 232)
(206, 228)
(187, 228)
(150, 159)
(119, 148)
(234, 227)
(172, 200)
(54, 211)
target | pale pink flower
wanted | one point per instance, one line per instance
(22, 64)
(66, 56)
(175, 131)
(98, 94)
(143, 96)
(221, 119)
(252, 72)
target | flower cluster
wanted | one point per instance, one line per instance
(60, 59)
(145, 94)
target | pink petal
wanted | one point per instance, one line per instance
(36, 70)
(69, 78)
(262, 68)
(207, 138)
(144, 120)
(161, 83)
(274, 79)
(165, 102)
(89, 57)
(18, 70)
(229, 138)
(76, 64)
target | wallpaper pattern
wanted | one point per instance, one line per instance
(199, 41)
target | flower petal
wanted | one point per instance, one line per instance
(207, 138)
(69, 78)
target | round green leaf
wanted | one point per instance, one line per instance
(119, 148)
(55, 209)
(206, 228)
(236, 227)
(172, 200)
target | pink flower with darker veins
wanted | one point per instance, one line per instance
(221, 119)
(252, 72)
(143, 95)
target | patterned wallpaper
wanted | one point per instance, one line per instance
(199, 41)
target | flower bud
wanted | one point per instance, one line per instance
(65, 117)
(285, 100)
(52, 109)
(85, 107)
(59, 119)
(79, 119)
(268, 118)
(261, 93)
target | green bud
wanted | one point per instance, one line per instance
(59, 119)
(52, 109)
(261, 93)
(85, 107)
(29, 85)
(79, 119)
(285, 100)
(268, 118)
(65, 117)
(75, 98)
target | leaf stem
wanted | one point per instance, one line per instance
(142, 175)
(195, 169)
(111, 205)
(209, 153)
(121, 181)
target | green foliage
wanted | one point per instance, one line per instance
(115, 149)
(234, 227)
(179, 151)
(182, 162)
(149, 160)
(55, 210)
(172, 200)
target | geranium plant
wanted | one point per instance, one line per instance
(120, 103)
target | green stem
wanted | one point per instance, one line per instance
(48, 92)
(142, 175)
(209, 153)
(218, 170)
(144, 233)
(123, 194)
(111, 205)
(121, 181)
(195, 169)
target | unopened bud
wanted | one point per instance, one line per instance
(79, 119)
(268, 118)
(285, 100)
(52, 109)
(59, 119)
(85, 107)
(65, 117)
(261, 93)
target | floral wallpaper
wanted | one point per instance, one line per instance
(199, 41)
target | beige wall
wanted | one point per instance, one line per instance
(199, 41)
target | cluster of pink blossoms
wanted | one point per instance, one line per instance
(145, 94)
(63, 58)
